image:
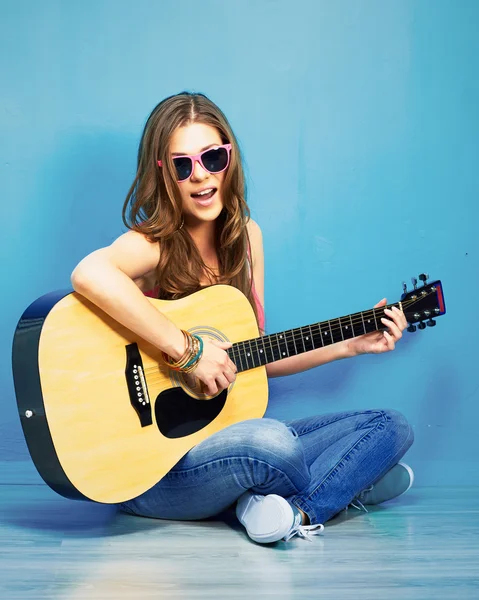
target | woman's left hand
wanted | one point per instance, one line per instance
(380, 341)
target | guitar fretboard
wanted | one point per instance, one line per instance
(260, 351)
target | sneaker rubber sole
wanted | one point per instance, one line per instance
(266, 518)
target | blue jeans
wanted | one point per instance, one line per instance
(320, 464)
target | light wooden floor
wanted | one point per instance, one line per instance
(424, 546)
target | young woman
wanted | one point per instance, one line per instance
(189, 227)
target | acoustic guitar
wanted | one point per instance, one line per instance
(103, 416)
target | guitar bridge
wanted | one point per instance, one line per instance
(137, 387)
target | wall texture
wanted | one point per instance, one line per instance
(360, 128)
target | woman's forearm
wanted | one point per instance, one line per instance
(308, 360)
(117, 294)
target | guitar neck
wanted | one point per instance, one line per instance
(266, 349)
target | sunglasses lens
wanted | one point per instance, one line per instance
(215, 160)
(183, 167)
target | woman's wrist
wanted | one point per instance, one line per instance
(346, 350)
(177, 346)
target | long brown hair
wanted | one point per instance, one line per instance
(153, 204)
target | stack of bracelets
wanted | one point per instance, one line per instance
(191, 357)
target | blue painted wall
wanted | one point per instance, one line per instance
(360, 127)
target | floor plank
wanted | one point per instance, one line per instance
(424, 545)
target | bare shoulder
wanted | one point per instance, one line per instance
(131, 253)
(135, 254)
(254, 230)
(255, 238)
(257, 257)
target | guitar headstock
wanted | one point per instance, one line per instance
(422, 305)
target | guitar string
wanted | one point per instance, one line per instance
(237, 352)
(357, 320)
(292, 337)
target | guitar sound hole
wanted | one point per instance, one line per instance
(179, 415)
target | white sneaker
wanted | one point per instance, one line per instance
(397, 481)
(271, 518)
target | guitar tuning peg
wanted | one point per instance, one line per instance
(404, 287)
(424, 277)
(422, 325)
(431, 323)
(414, 282)
(411, 328)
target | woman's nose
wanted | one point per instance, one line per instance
(198, 171)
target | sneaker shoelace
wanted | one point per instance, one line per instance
(304, 531)
(357, 500)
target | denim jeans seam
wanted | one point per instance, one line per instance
(303, 503)
(400, 452)
(367, 434)
(185, 472)
(341, 418)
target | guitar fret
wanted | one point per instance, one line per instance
(370, 327)
(341, 329)
(270, 339)
(312, 337)
(381, 326)
(245, 356)
(257, 354)
(265, 350)
(285, 342)
(271, 345)
(252, 353)
(277, 346)
(346, 330)
(290, 339)
(237, 357)
(352, 326)
(307, 339)
(260, 351)
(330, 339)
(244, 362)
(334, 333)
(294, 342)
(364, 326)
(358, 328)
(302, 339)
(264, 341)
(283, 348)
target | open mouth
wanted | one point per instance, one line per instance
(204, 196)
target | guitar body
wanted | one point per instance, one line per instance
(97, 427)
(105, 419)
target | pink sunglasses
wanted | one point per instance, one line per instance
(213, 160)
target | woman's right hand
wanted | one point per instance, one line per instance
(215, 369)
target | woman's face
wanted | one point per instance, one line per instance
(193, 139)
